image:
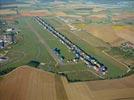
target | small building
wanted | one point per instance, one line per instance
(10, 37)
(2, 44)
(7, 38)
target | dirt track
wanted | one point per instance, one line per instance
(27, 83)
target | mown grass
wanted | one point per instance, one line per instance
(72, 67)
(27, 49)
(114, 68)
(81, 76)
(31, 49)
(52, 41)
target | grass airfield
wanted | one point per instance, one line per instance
(98, 29)
(91, 34)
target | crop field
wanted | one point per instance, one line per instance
(35, 13)
(112, 33)
(40, 66)
(7, 12)
(103, 32)
(93, 37)
(35, 84)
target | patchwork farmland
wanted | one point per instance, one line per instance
(34, 84)
(74, 50)
(46, 40)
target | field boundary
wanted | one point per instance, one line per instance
(117, 60)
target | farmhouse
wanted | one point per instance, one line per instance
(1, 44)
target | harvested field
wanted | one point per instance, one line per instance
(113, 34)
(98, 9)
(98, 16)
(60, 14)
(7, 11)
(104, 32)
(91, 39)
(101, 90)
(124, 15)
(34, 84)
(11, 18)
(113, 89)
(125, 32)
(35, 13)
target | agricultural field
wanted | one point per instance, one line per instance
(98, 32)
(52, 42)
(75, 50)
(35, 84)
(23, 77)
(35, 13)
(7, 12)
(96, 29)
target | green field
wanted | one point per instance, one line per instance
(27, 49)
(72, 67)
(52, 41)
(114, 68)
(31, 47)
(80, 76)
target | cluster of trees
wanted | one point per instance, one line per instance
(71, 79)
(131, 72)
(125, 52)
(33, 63)
(3, 25)
(7, 70)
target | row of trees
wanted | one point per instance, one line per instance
(7, 70)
